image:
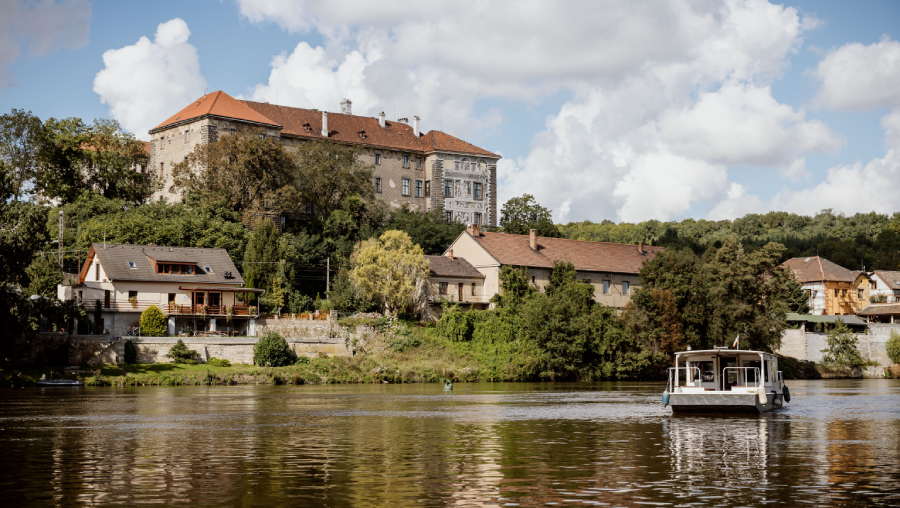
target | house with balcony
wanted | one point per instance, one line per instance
(832, 289)
(611, 268)
(199, 290)
(885, 286)
(453, 280)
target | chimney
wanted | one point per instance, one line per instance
(450, 255)
(641, 247)
(532, 239)
(474, 229)
(416, 126)
(325, 124)
(346, 106)
(381, 119)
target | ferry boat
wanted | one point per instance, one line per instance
(725, 380)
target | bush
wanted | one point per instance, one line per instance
(218, 362)
(455, 325)
(893, 347)
(130, 352)
(272, 351)
(842, 351)
(179, 353)
(153, 322)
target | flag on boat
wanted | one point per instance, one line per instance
(736, 340)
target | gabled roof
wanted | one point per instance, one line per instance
(818, 269)
(585, 255)
(880, 309)
(892, 279)
(217, 104)
(115, 257)
(438, 141)
(443, 266)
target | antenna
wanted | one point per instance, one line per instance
(104, 239)
(60, 241)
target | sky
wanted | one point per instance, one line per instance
(622, 110)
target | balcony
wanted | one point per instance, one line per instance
(172, 309)
(466, 299)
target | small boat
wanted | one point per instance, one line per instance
(58, 382)
(725, 380)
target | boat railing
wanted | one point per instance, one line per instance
(779, 376)
(741, 376)
(691, 376)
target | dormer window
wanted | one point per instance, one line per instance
(174, 269)
(132, 265)
(362, 134)
(207, 269)
(308, 127)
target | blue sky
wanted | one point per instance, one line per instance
(616, 110)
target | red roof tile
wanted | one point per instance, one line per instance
(217, 104)
(815, 269)
(442, 266)
(443, 142)
(585, 255)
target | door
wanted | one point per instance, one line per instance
(729, 378)
(106, 299)
(459, 289)
(214, 301)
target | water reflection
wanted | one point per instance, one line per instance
(483, 445)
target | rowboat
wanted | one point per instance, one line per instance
(725, 380)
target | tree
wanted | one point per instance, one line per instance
(516, 287)
(797, 298)
(22, 141)
(240, 170)
(326, 174)
(391, 270)
(520, 215)
(21, 230)
(272, 351)
(43, 276)
(179, 353)
(893, 347)
(345, 297)
(430, 230)
(262, 256)
(153, 322)
(842, 352)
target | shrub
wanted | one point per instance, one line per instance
(272, 351)
(179, 353)
(218, 362)
(455, 325)
(153, 322)
(130, 352)
(893, 347)
(842, 351)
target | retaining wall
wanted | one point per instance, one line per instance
(809, 345)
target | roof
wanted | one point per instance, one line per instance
(216, 104)
(892, 279)
(880, 309)
(147, 147)
(115, 257)
(307, 124)
(443, 266)
(722, 351)
(587, 256)
(812, 318)
(815, 269)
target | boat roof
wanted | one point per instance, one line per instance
(725, 351)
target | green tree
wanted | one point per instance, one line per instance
(893, 347)
(325, 175)
(428, 230)
(240, 170)
(797, 298)
(515, 286)
(22, 142)
(345, 297)
(43, 276)
(262, 257)
(390, 270)
(519, 215)
(179, 353)
(272, 351)
(842, 352)
(153, 322)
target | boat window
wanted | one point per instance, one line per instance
(751, 375)
(706, 370)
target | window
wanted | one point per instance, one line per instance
(231, 130)
(418, 188)
(309, 208)
(162, 143)
(132, 294)
(625, 286)
(406, 186)
(162, 169)
(427, 188)
(106, 296)
(378, 184)
(477, 218)
(132, 265)
(97, 272)
(207, 269)
(377, 158)
(814, 294)
(835, 293)
(473, 289)
(448, 216)
(606, 287)
(448, 188)
(419, 163)
(171, 298)
(532, 279)
(262, 137)
(405, 160)
(859, 294)
(187, 135)
(477, 190)
(442, 288)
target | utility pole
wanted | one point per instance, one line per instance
(327, 274)
(60, 241)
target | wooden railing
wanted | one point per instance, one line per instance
(171, 308)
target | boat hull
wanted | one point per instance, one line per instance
(46, 383)
(723, 402)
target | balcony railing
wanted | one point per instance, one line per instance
(239, 310)
(455, 298)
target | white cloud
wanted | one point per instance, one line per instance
(144, 79)
(737, 204)
(861, 77)
(43, 26)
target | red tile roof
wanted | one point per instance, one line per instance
(892, 279)
(816, 269)
(147, 147)
(307, 124)
(585, 255)
(880, 309)
(442, 266)
(217, 104)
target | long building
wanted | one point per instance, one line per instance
(429, 171)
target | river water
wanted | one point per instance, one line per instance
(490, 444)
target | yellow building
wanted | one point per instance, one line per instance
(833, 290)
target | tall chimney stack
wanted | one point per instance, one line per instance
(474, 229)
(450, 254)
(325, 124)
(641, 247)
(532, 239)
(416, 126)
(381, 119)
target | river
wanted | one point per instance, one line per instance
(487, 444)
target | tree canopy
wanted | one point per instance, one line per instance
(391, 270)
(519, 215)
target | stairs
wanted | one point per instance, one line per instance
(134, 328)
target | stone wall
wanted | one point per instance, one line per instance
(809, 345)
(233, 349)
